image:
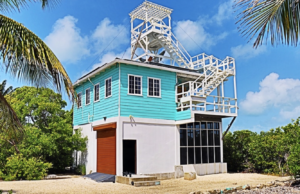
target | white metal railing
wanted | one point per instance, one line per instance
(186, 89)
(216, 104)
(165, 31)
(214, 71)
(201, 60)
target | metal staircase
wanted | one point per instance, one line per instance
(214, 78)
(153, 36)
(172, 46)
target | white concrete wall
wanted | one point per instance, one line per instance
(204, 169)
(89, 158)
(156, 146)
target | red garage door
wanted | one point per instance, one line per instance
(106, 149)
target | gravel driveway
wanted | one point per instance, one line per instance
(81, 185)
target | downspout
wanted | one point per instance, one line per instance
(119, 90)
(119, 129)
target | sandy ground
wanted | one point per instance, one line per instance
(80, 185)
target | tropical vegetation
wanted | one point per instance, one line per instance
(274, 152)
(27, 58)
(276, 19)
(49, 141)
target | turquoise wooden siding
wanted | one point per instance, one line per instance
(106, 107)
(137, 106)
(144, 106)
(182, 115)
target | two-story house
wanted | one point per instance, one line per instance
(145, 116)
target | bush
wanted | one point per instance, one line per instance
(19, 167)
(273, 152)
(294, 160)
(81, 169)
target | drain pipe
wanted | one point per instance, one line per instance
(228, 127)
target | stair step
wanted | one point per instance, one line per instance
(146, 183)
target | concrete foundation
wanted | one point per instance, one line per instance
(190, 176)
(162, 176)
(134, 178)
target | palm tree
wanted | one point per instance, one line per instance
(6, 91)
(26, 57)
(278, 19)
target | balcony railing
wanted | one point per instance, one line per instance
(216, 104)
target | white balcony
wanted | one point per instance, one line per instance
(190, 99)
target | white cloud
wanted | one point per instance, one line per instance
(225, 12)
(193, 35)
(110, 56)
(290, 114)
(283, 94)
(109, 37)
(247, 51)
(66, 42)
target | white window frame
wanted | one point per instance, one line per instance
(153, 87)
(80, 99)
(86, 98)
(141, 85)
(98, 84)
(110, 87)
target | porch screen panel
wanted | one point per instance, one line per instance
(200, 143)
(183, 155)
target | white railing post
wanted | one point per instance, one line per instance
(223, 105)
(214, 104)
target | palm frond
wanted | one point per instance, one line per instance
(27, 58)
(8, 91)
(12, 5)
(9, 122)
(277, 19)
(2, 86)
(49, 3)
(15, 5)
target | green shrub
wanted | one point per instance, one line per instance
(294, 160)
(19, 167)
(81, 170)
(272, 152)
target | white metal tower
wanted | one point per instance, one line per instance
(152, 40)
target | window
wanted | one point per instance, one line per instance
(134, 84)
(200, 143)
(153, 87)
(96, 92)
(87, 96)
(79, 99)
(108, 88)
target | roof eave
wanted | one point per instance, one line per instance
(132, 63)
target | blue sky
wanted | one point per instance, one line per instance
(79, 33)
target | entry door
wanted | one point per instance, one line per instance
(106, 151)
(129, 156)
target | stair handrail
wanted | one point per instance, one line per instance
(205, 80)
(179, 47)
